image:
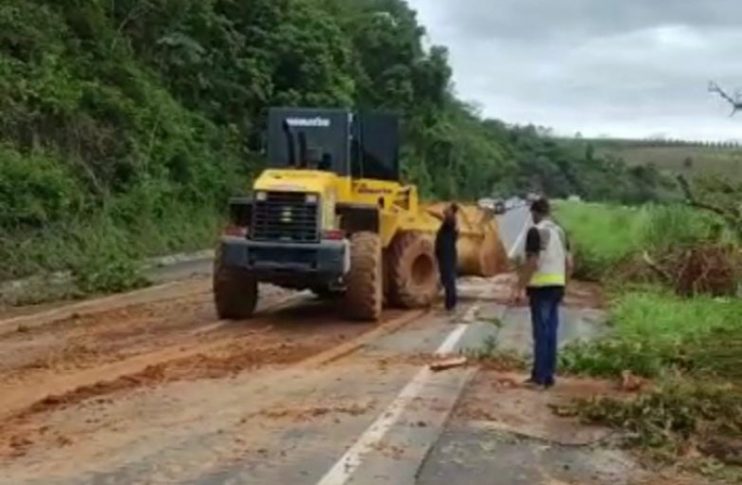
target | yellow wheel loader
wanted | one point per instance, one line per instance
(329, 214)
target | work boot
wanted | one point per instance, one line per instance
(533, 385)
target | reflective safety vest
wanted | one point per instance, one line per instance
(552, 267)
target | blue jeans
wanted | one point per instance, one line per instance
(545, 320)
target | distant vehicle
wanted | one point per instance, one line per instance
(500, 207)
(495, 205)
(486, 203)
(513, 203)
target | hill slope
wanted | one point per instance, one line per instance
(126, 124)
(687, 158)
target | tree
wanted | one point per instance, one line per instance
(735, 101)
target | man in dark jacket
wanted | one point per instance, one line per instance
(445, 252)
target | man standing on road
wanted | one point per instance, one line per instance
(445, 252)
(543, 278)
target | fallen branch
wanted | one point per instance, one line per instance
(732, 216)
(448, 364)
(667, 277)
(694, 202)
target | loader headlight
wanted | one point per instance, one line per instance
(312, 198)
(261, 196)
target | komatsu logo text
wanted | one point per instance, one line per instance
(308, 122)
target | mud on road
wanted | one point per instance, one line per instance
(115, 349)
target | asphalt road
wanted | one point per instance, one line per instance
(373, 415)
(512, 225)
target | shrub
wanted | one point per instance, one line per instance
(674, 417)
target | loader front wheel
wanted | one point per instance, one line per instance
(235, 291)
(364, 294)
(412, 271)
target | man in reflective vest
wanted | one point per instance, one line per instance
(543, 278)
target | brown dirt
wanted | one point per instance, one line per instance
(391, 362)
(300, 414)
(102, 355)
(499, 399)
(583, 294)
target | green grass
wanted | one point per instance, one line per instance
(692, 350)
(601, 235)
(676, 418)
(702, 161)
(687, 160)
(655, 333)
(690, 347)
(103, 253)
(605, 236)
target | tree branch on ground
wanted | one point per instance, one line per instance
(652, 264)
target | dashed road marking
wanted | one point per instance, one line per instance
(344, 469)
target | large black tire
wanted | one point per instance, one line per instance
(364, 294)
(235, 291)
(412, 271)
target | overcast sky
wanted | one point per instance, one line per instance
(628, 68)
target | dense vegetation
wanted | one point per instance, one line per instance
(607, 239)
(690, 346)
(125, 124)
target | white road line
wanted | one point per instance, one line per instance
(341, 472)
(453, 338)
(471, 314)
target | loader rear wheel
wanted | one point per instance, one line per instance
(235, 291)
(412, 271)
(364, 295)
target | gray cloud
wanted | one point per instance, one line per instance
(621, 67)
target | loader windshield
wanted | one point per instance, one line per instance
(301, 154)
(309, 139)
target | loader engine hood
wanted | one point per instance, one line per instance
(306, 181)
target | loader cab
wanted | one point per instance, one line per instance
(363, 145)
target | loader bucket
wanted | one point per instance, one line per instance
(480, 249)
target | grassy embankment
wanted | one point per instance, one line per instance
(689, 348)
(686, 159)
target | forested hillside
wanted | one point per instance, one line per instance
(126, 124)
